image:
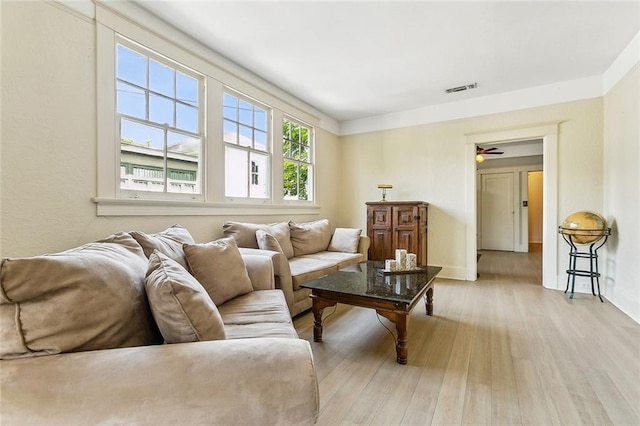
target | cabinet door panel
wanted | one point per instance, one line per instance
(405, 228)
(380, 217)
(406, 240)
(380, 248)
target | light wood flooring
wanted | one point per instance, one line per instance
(502, 350)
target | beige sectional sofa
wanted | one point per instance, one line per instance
(300, 252)
(83, 330)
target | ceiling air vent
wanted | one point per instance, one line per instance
(461, 88)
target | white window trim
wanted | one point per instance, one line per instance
(268, 152)
(312, 155)
(122, 18)
(170, 196)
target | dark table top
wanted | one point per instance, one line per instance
(364, 279)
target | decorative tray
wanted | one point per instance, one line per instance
(418, 270)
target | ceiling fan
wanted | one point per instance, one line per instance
(481, 152)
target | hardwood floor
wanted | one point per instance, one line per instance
(502, 350)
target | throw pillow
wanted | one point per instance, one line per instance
(266, 241)
(168, 242)
(281, 233)
(87, 298)
(345, 240)
(219, 267)
(180, 305)
(310, 237)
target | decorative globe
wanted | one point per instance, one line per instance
(584, 227)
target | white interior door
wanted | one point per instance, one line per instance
(497, 214)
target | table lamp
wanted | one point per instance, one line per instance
(384, 187)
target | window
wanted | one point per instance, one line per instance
(298, 160)
(247, 154)
(159, 119)
(179, 134)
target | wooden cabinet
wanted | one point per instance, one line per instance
(395, 225)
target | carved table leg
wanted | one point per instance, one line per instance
(317, 307)
(428, 300)
(403, 338)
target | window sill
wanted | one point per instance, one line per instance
(137, 207)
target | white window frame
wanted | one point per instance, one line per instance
(311, 185)
(268, 152)
(163, 195)
(145, 29)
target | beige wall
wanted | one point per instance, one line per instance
(48, 167)
(427, 163)
(622, 193)
(534, 190)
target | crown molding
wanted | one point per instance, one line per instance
(566, 91)
(627, 59)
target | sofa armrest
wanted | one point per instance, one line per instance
(260, 270)
(281, 270)
(264, 381)
(363, 246)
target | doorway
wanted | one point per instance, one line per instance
(548, 132)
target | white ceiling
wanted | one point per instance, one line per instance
(360, 59)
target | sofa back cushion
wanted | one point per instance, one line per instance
(310, 237)
(219, 267)
(168, 242)
(180, 305)
(90, 297)
(245, 234)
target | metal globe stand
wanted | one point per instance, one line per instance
(592, 255)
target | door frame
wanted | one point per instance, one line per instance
(548, 132)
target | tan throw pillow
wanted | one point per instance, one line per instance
(266, 241)
(180, 305)
(281, 233)
(219, 267)
(310, 237)
(345, 240)
(168, 242)
(87, 298)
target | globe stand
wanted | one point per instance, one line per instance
(592, 255)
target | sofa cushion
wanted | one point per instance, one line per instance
(304, 269)
(310, 237)
(265, 306)
(245, 234)
(168, 242)
(219, 267)
(180, 305)
(90, 297)
(266, 241)
(250, 331)
(339, 258)
(345, 240)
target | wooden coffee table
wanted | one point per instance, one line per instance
(392, 296)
